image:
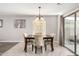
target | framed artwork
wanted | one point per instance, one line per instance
(20, 23)
(1, 23)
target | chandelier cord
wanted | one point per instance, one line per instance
(39, 13)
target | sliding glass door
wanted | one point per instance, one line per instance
(71, 32)
(69, 23)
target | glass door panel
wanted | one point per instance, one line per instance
(69, 32)
(77, 33)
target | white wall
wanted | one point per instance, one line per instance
(9, 33)
(52, 25)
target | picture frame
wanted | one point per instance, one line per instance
(20, 23)
(1, 23)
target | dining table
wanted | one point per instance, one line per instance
(46, 38)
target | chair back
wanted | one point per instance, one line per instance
(25, 34)
(39, 40)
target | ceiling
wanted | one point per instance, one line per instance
(32, 8)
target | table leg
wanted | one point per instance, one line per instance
(25, 49)
(52, 44)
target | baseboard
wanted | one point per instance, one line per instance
(11, 41)
(23, 41)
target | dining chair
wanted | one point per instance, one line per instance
(28, 41)
(48, 41)
(38, 42)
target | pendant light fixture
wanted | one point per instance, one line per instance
(39, 24)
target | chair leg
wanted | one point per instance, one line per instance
(25, 48)
(41, 49)
(32, 47)
(35, 49)
(45, 47)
